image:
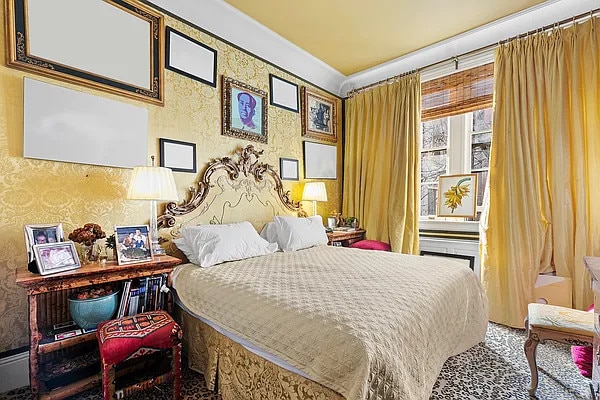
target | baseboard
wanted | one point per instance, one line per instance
(14, 371)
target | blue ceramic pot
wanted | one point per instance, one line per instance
(90, 312)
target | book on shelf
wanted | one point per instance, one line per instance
(141, 295)
(64, 330)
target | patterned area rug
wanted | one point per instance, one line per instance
(494, 370)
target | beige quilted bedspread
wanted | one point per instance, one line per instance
(367, 324)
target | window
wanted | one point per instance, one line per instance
(459, 144)
(456, 131)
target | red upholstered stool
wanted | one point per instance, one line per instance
(135, 336)
(371, 245)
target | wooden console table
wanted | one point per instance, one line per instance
(48, 305)
(345, 238)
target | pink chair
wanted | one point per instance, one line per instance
(371, 245)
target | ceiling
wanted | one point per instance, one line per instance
(353, 35)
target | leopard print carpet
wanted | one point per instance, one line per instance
(493, 370)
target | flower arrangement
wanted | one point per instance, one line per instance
(88, 234)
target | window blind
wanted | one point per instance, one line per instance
(458, 93)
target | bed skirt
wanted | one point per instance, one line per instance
(236, 373)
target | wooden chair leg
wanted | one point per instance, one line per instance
(530, 352)
(177, 371)
(108, 381)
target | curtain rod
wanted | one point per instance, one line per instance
(571, 20)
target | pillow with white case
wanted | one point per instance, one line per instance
(215, 244)
(300, 233)
(269, 232)
(186, 249)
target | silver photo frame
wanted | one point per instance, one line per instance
(42, 234)
(56, 257)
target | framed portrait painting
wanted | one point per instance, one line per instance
(244, 111)
(457, 196)
(318, 116)
(133, 244)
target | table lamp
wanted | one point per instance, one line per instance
(314, 191)
(154, 184)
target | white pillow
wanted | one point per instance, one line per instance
(300, 233)
(186, 249)
(214, 244)
(269, 232)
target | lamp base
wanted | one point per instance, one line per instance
(157, 250)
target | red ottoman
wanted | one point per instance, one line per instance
(371, 245)
(135, 336)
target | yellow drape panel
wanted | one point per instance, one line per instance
(542, 210)
(382, 162)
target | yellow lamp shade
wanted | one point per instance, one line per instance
(152, 183)
(314, 191)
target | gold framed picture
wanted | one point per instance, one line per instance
(457, 196)
(318, 116)
(244, 111)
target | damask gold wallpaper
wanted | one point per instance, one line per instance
(38, 191)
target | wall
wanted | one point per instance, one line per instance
(37, 191)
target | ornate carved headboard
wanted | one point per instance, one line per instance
(235, 189)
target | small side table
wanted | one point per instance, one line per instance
(345, 239)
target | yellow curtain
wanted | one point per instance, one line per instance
(382, 162)
(541, 210)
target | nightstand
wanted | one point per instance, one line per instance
(345, 239)
(48, 305)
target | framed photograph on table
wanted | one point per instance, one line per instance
(56, 257)
(318, 116)
(320, 161)
(457, 196)
(177, 155)
(284, 94)
(288, 169)
(42, 234)
(244, 111)
(133, 244)
(190, 58)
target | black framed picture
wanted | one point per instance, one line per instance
(284, 94)
(288, 169)
(189, 57)
(177, 155)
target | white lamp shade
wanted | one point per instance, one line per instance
(152, 183)
(314, 191)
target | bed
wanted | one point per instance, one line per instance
(321, 322)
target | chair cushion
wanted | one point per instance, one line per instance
(129, 337)
(561, 319)
(371, 245)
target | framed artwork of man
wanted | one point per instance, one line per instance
(318, 116)
(244, 111)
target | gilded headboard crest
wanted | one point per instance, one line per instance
(247, 162)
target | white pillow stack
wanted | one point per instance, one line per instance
(299, 233)
(208, 245)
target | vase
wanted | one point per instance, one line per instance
(86, 253)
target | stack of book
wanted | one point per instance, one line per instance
(141, 295)
(344, 229)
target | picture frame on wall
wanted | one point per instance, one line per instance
(283, 94)
(42, 234)
(133, 244)
(177, 155)
(289, 169)
(111, 45)
(318, 116)
(56, 257)
(189, 57)
(320, 161)
(457, 196)
(244, 111)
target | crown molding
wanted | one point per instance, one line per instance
(227, 23)
(512, 25)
